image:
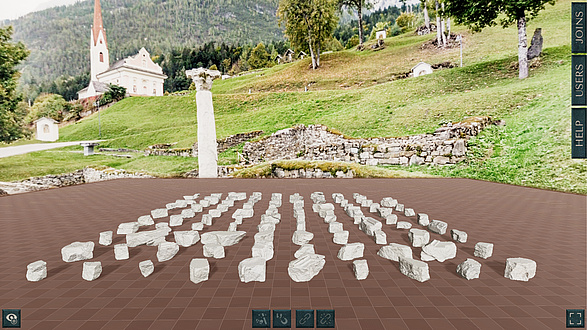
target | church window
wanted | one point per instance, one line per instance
(144, 63)
(134, 88)
(46, 129)
(101, 57)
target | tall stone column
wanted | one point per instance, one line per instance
(207, 148)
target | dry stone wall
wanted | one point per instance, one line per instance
(447, 145)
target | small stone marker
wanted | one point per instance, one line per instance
(370, 225)
(146, 267)
(127, 228)
(380, 237)
(186, 238)
(483, 250)
(423, 219)
(458, 236)
(197, 226)
(306, 267)
(224, 238)
(188, 213)
(351, 251)
(469, 269)
(388, 202)
(391, 219)
(394, 250)
(77, 251)
(335, 227)
(199, 270)
(399, 207)
(252, 269)
(403, 225)
(159, 213)
(91, 270)
(409, 212)
(440, 251)
(303, 250)
(414, 269)
(121, 252)
(438, 227)
(301, 237)
(36, 271)
(175, 220)
(419, 237)
(341, 237)
(145, 220)
(214, 250)
(262, 250)
(166, 251)
(520, 269)
(105, 238)
(361, 269)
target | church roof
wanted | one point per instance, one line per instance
(98, 25)
(124, 64)
(99, 87)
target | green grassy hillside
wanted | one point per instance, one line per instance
(358, 94)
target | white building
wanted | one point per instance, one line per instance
(421, 69)
(47, 129)
(381, 34)
(138, 74)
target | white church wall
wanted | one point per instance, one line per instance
(99, 63)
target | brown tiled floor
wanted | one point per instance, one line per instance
(548, 227)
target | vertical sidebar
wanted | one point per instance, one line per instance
(578, 79)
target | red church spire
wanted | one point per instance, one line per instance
(98, 26)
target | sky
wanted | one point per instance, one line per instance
(11, 9)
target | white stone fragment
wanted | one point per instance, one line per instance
(186, 238)
(388, 202)
(264, 236)
(207, 219)
(199, 270)
(274, 219)
(166, 251)
(438, 227)
(145, 220)
(224, 238)
(403, 225)
(414, 269)
(380, 237)
(247, 213)
(175, 220)
(342, 237)
(197, 207)
(146, 267)
(441, 251)
(197, 226)
(105, 238)
(266, 226)
(520, 269)
(171, 206)
(214, 250)
(426, 257)
(252, 269)
(188, 213)
(351, 251)
(189, 198)
(160, 225)
(91, 270)
(36, 271)
(205, 203)
(127, 228)
(394, 250)
(301, 225)
(150, 237)
(419, 237)
(423, 219)
(159, 213)
(409, 212)
(391, 219)
(303, 250)
(181, 203)
(301, 237)
(374, 207)
(329, 218)
(233, 226)
(238, 220)
(469, 269)
(399, 207)
(335, 227)
(222, 208)
(77, 251)
(366, 203)
(384, 212)
(370, 225)
(361, 269)
(483, 250)
(458, 236)
(262, 250)
(357, 220)
(215, 213)
(121, 252)
(305, 268)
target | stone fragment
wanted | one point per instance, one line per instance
(351, 251)
(469, 269)
(207, 219)
(247, 213)
(335, 227)
(214, 250)
(91, 270)
(77, 251)
(197, 207)
(146, 267)
(166, 251)
(175, 220)
(145, 220)
(188, 213)
(215, 213)
(458, 236)
(105, 238)
(394, 250)
(160, 225)
(419, 237)
(186, 238)
(205, 203)
(301, 225)
(36, 271)
(127, 228)
(199, 270)
(263, 250)
(426, 257)
(423, 219)
(224, 238)
(409, 212)
(252, 269)
(391, 219)
(171, 206)
(441, 251)
(483, 250)
(150, 237)
(520, 269)
(403, 225)
(266, 226)
(384, 212)
(181, 203)
(222, 208)
(233, 226)
(399, 207)
(121, 252)
(329, 218)
(264, 236)
(414, 269)
(274, 219)
(361, 269)
(342, 237)
(438, 227)
(305, 268)
(388, 202)
(159, 213)
(301, 237)
(374, 207)
(380, 237)
(369, 225)
(197, 226)
(303, 250)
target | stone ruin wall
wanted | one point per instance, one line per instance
(447, 145)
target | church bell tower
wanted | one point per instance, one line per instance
(99, 59)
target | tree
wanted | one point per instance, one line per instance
(259, 57)
(51, 106)
(358, 5)
(11, 54)
(308, 23)
(477, 14)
